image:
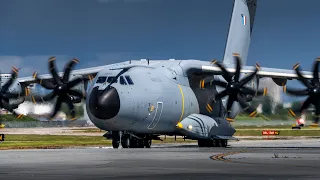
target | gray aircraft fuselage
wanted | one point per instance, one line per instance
(156, 100)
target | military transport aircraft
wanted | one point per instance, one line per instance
(138, 100)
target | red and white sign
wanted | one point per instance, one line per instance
(270, 132)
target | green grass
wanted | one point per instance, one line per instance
(14, 141)
(264, 117)
(10, 117)
(286, 132)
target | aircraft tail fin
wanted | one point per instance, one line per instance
(240, 30)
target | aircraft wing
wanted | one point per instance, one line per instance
(87, 73)
(263, 72)
(201, 67)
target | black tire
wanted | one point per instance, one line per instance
(215, 142)
(125, 142)
(224, 143)
(147, 143)
(133, 143)
(201, 143)
(115, 144)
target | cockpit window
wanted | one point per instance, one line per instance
(129, 80)
(122, 81)
(101, 79)
(112, 78)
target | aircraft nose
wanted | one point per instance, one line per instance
(104, 104)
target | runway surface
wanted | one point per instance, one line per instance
(242, 160)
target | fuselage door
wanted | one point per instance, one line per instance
(157, 115)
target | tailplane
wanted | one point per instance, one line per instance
(240, 30)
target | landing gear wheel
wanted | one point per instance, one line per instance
(115, 144)
(140, 143)
(115, 139)
(215, 142)
(224, 143)
(147, 143)
(205, 143)
(125, 143)
(133, 143)
(201, 143)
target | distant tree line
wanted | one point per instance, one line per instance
(277, 110)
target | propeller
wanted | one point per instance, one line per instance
(312, 90)
(6, 96)
(235, 88)
(61, 87)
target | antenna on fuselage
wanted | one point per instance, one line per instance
(148, 61)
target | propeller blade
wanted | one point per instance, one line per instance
(301, 78)
(248, 78)
(43, 82)
(76, 93)
(12, 95)
(229, 105)
(57, 107)
(68, 69)
(217, 83)
(52, 69)
(71, 109)
(247, 90)
(317, 113)
(315, 79)
(14, 75)
(9, 107)
(237, 73)
(74, 82)
(246, 107)
(221, 94)
(295, 91)
(225, 73)
(305, 104)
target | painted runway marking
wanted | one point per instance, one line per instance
(220, 157)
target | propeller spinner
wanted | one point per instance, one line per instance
(235, 88)
(61, 87)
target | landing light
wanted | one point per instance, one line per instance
(189, 127)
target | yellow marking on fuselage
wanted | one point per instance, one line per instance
(182, 96)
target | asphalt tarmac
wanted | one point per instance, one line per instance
(241, 160)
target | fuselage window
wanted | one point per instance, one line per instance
(101, 79)
(111, 79)
(129, 80)
(122, 81)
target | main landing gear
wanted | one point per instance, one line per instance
(213, 143)
(129, 141)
